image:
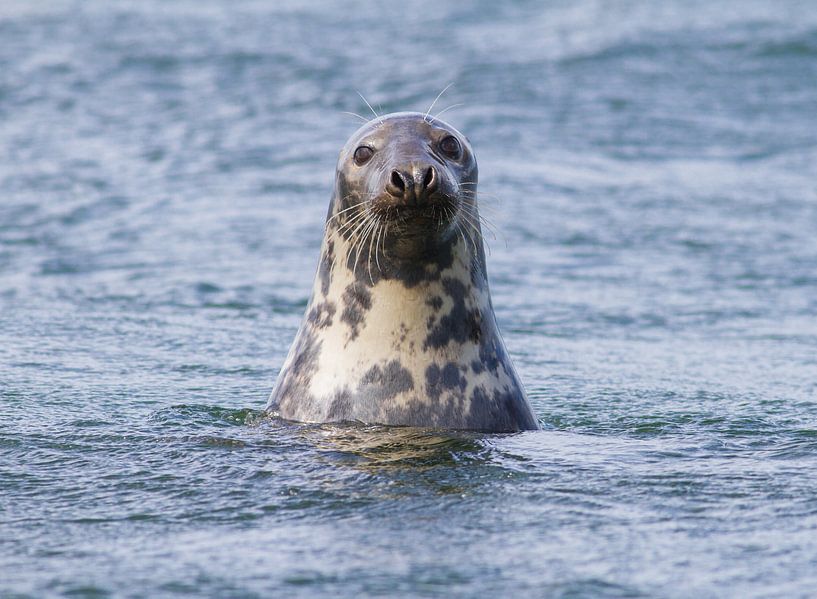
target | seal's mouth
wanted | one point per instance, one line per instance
(438, 208)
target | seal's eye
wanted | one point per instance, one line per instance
(363, 154)
(450, 147)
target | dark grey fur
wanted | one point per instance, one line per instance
(465, 379)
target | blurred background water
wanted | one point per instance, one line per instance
(165, 169)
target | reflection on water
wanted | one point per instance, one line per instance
(384, 448)
(165, 170)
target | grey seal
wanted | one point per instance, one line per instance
(400, 329)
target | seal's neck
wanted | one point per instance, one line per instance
(414, 264)
(441, 305)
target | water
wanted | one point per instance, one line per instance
(164, 173)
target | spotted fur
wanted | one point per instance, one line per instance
(407, 337)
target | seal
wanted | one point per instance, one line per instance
(400, 329)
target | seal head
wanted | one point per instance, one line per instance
(400, 329)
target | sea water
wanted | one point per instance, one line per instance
(649, 169)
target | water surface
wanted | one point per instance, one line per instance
(164, 174)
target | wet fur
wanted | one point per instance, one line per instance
(400, 329)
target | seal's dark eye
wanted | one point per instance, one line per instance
(363, 154)
(450, 146)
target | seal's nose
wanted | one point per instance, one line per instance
(413, 185)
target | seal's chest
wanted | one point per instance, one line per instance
(399, 329)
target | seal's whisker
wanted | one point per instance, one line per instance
(475, 256)
(357, 246)
(475, 218)
(353, 221)
(376, 245)
(373, 230)
(362, 118)
(356, 241)
(357, 196)
(491, 204)
(362, 239)
(349, 221)
(425, 116)
(386, 231)
(366, 196)
(473, 190)
(492, 213)
(492, 210)
(370, 234)
(475, 259)
(490, 225)
(458, 229)
(350, 195)
(485, 244)
(481, 194)
(345, 210)
(444, 110)
(351, 234)
(364, 200)
(338, 214)
(334, 259)
(471, 195)
(450, 214)
(357, 233)
(494, 200)
(472, 224)
(486, 200)
(399, 223)
(473, 212)
(377, 116)
(352, 206)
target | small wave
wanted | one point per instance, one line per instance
(802, 46)
(399, 447)
(186, 415)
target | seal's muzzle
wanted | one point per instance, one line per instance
(413, 184)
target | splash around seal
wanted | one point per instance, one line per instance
(400, 329)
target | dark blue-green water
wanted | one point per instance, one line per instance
(165, 169)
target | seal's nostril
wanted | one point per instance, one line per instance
(429, 177)
(397, 181)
